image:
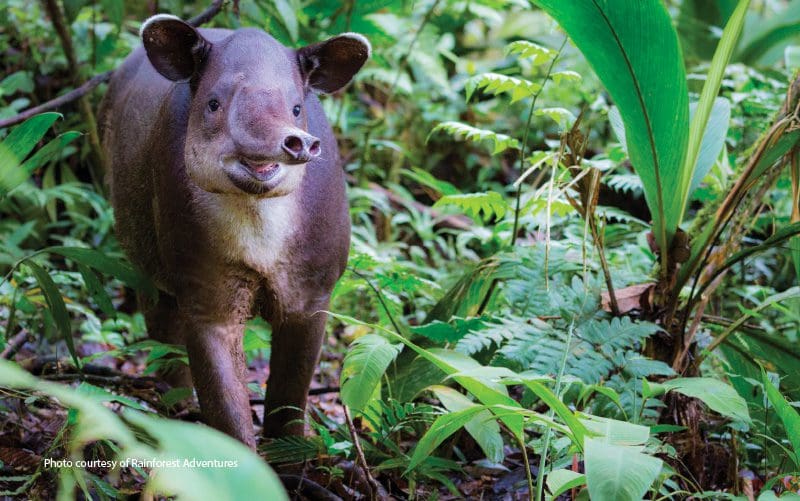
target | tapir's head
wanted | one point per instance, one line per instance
(248, 126)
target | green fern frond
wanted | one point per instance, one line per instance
(529, 50)
(495, 84)
(293, 449)
(458, 130)
(475, 205)
(625, 183)
(560, 77)
(562, 116)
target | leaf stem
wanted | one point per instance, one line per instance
(523, 149)
(546, 444)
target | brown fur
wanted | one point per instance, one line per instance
(219, 253)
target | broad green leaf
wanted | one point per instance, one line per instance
(713, 140)
(553, 402)
(717, 395)
(246, 475)
(108, 265)
(364, 364)
(452, 363)
(101, 395)
(442, 428)
(618, 472)
(787, 414)
(619, 39)
(48, 151)
(238, 473)
(697, 130)
(22, 138)
(56, 305)
(560, 481)
(96, 290)
(18, 145)
(95, 421)
(483, 426)
(616, 432)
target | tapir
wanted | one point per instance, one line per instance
(229, 194)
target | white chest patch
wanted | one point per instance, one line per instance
(253, 232)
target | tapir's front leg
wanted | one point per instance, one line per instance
(218, 371)
(296, 344)
(215, 312)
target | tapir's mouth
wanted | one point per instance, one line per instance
(261, 170)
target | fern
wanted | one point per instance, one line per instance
(458, 130)
(364, 365)
(625, 183)
(489, 204)
(293, 449)
(493, 336)
(560, 77)
(599, 348)
(563, 117)
(528, 50)
(496, 84)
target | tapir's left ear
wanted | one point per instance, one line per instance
(328, 66)
(175, 48)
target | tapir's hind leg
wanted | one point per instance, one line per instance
(164, 325)
(296, 344)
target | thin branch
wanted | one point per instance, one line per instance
(14, 344)
(59, 101)
(372, 484)
(62, 30)
(208, 14)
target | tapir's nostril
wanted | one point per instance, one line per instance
(293, 145)
(314, 149)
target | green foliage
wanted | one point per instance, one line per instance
(501, 142)
(494, 83)
(364, 365)
(488, 205)
(164, 442)
(719, 396)
(652, 98)
(788, 416)
(618, 472)
(503, 331)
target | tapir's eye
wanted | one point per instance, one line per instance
(213, 105)
(296, 110)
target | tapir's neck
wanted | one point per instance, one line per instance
(254, 232)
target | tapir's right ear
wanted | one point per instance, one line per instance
(175, 48)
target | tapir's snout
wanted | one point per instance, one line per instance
(301, 146)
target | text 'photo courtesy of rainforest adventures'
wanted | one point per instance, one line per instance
(542, 250)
